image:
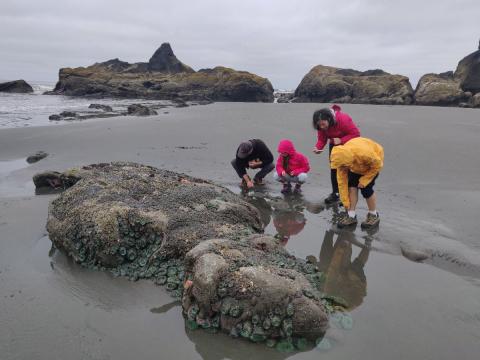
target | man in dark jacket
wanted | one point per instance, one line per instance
(253, 154)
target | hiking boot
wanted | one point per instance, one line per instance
(259, 182)
(332, 198)
(287, 188)
(297, 189)
(371, 221)
(347, 221)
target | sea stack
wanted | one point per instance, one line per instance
(163, 77)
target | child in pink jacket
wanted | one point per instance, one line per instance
(292, 166)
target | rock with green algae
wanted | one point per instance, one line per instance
(124, 217)
(285, 345)
(133, 208)
(267, 299)
(301, 344)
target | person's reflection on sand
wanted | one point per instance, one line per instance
(343, 277)
(288, 223)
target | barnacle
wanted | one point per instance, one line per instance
(246, 329)
(161, 280)
(287, 327)
(258, 335)
(132, 254)
(236, 310)
(276, 321)
(290, 309)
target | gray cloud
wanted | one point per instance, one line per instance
(281, 40)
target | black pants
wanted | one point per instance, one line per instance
(264, 170)
(367, 191)
(333, 172)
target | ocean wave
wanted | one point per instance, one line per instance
(40, 88)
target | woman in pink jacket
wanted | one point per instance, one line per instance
(292, 166)
(338, 127)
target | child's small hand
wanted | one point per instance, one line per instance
(284, 173)
(317, 151)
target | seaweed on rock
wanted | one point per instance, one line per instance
(140, 222)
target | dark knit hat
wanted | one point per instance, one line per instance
(245, 149)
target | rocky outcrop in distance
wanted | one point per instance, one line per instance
(459, 88)
(17, 86)
(468, 72)
(440, 90)
(201, 241)
(331, 84)
(163, 77)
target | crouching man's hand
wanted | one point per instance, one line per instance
(254, 164)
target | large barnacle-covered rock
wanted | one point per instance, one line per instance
(261, 289)
(133, 219)
(199, 240)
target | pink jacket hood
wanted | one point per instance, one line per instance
(286, 146)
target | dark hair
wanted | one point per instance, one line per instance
(323, 114)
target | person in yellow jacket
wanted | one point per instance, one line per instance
(358, 163)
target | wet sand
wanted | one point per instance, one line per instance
(428, 197)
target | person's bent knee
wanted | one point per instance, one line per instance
(367, 192)
(269, 167)
(302, 177)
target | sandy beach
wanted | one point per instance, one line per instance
(428, 198)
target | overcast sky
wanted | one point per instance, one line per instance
(280, 40)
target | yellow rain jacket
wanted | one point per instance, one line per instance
(359, 155)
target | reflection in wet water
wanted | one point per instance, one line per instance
(288, 223)
(344, 277)
(343, 274)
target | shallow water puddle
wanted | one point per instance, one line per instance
(11, 186)
(9, 166)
